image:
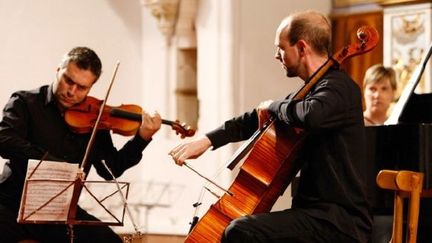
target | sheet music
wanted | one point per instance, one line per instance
(45, 197)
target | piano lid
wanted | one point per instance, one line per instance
(418, 109)
(408, 90)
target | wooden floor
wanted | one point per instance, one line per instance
(155, 238)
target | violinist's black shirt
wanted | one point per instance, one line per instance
(32, 125)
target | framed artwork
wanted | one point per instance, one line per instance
(346, 3)
(407, 38)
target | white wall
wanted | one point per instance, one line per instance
(236, 70)
(35, 35)
(260, 75)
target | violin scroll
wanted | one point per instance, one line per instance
(181, 128)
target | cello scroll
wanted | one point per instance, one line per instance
(368, 38)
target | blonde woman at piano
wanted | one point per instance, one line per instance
(379, 91)
(379, 86)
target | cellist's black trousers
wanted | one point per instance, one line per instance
(283, 226)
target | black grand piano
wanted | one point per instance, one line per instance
(404, 145)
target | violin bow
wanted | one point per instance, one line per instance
(102, 107)
(80, 174)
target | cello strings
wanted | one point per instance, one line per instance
(207, 179)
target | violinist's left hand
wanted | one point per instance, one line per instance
(150, 124)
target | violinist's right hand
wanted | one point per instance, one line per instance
(191, 150)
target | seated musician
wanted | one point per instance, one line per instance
(379, 91)
(33, 125)
(330, 204)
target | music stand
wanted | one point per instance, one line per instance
(51, 194)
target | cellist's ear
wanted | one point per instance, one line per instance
(57, 72)
(301, 46)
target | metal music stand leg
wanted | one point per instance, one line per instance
(71, 233)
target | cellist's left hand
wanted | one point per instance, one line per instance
(150, 124)
(263, 113)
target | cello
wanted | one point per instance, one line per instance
(271, 163)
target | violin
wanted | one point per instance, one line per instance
(124, 119)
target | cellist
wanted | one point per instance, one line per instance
(33, 125)
(330, 204)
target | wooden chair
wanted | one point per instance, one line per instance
(406, 184)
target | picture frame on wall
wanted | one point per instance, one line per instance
(408, 34)
(347, 3)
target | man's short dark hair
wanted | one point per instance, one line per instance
(85, 58)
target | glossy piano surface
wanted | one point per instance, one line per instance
(401, 147)
(404, 146)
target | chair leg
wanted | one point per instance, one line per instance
(398, 218)
(406, 184)
(414, 208)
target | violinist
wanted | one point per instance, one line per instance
(330, 204)
(33, 125)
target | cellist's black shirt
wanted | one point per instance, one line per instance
(331, 183)
(32, 125)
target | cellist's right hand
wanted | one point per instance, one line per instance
(190, 150)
